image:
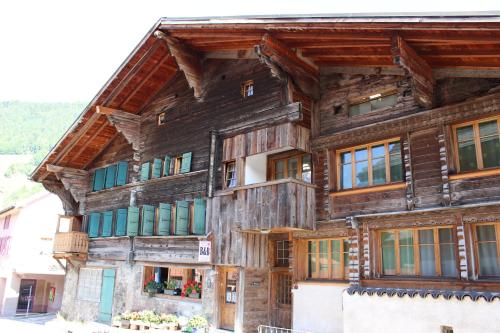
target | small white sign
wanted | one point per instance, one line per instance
(205, 251)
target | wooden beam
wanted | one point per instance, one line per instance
(89, 140)
(70, 206)
(419, 70)
(76, 181)
(304, 73)
(127, 123)
(232, 54)
(188, 61)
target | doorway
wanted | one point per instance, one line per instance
(228, 294)
(26, 295)
(281, 299)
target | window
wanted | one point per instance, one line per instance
(477, 145)
(171, 280)
(89, 284)
(426, 252)
(296, 166)
(162, 119)
(230, 175)
(177, 164)
(247, 89)
(110, 176)
(372, 103)
(328, 259)
(282, 253)
(486, 238)
(374, 164)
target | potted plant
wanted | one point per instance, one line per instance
(192, 289)
(135, 320)
(151, 287)
(170, 321)
(197, 324)
(125, 319)
(155, 321)
(147, 317)
(170, 287)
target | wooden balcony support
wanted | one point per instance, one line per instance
(74, 180)
(283, 60)
(419, 70)
(70, 206)
(71, 245)
(126, 123)
(188, 60)
(286, 204)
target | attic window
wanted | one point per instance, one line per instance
(372, 103)
(247, 88)
(162, 119)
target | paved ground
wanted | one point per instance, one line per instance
(48, 323)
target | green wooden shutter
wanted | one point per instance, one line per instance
(156, 168)
(148, 220)
(181, 218)
(121, 178)
(110, 176)
(133, 221)
(186, 162)
(199, 217)
(166, 166)
(121, 222)
(99, 176)
(145, 171)
(165, 219)
(95, 219)
(107, 223)
(107, 291)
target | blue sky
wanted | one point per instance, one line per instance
(66, 50)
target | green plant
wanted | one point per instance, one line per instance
(168, 318)
(126, 315)
(197, 322)
(135, 316)
(191, 287)
(117, 318)
(151, 286)
(148, 316)
(170, 284)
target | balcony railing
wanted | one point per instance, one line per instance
(71, 243)
(280, 204)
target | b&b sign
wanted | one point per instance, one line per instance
(204, 251)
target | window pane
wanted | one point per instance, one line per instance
(306, 168)
(448, 262)
(395, 161)
(361, 154)
(487, 251)
(312, 259)
(361, 158)
(336, 263)
(346, 171)
(280, 170)
(466, 148)
(323, 258)
(346, 259)
(406, 252)
(388, 253)
(293, 167)
(427, 257)
(490, 144)
(378, 164)
(383, 102)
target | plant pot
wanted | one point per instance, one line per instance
(170, 292)
(194, 295)
(151, 293)
(124, 323)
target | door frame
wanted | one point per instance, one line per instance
(221, 270)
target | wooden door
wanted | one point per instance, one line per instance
(281, 302)
(27, 292)
(107, 291)
(228, 293)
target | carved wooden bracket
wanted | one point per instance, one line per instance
(280, 58)
(127, 123)
(70, 206)
(74, 180)
(188, 61)
(419, 70)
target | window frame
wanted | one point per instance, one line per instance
(344, 268)
(274, 159)
(235, 172)
(245, 88)
(162, 118)
(477, 142)
(368, 147)
(177, 164)
(476, 247)
(185, 278)
(90, 282)
(416, 252)
(367, 98)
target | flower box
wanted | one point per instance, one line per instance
(194, 295)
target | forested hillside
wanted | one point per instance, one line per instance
(32, 129)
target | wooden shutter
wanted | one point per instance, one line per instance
(145, 171)
(156, 168)
(133, 221)
(199, 217)
(107, 292)
(181, 218)
(165, 219)
(121, 177)
(99, 175)
(95, 219)
(148, 220)
(166, 166)
(107, 223)
(186, 162)
(121, 222)
(110, 176)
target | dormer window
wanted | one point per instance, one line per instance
(372, 103)
(162, 119)
(247, 88)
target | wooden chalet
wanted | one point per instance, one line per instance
(324, 173)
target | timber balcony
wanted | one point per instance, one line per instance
(279, 205)
(71, 245)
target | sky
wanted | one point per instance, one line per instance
(65, 51)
